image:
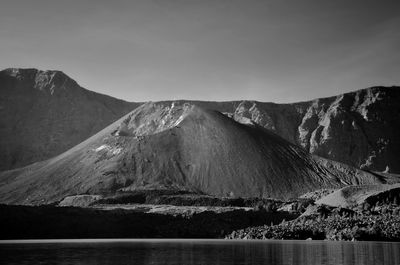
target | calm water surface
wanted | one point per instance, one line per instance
(198, 252)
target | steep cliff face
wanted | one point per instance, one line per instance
(179, 147)
(360, 128)
(43, 113)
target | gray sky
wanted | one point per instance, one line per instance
(280, 51)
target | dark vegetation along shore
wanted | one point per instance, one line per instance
(364, 223)
(30, 222)
(129, 216)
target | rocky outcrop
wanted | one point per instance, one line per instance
(44, 113)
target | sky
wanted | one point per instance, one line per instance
(266, 50)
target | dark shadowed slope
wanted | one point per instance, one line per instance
(183, 147)
(44, 113)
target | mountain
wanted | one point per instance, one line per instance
(179, 146)
(359, 128)
(44, 113)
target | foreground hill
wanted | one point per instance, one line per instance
(43, 113)
(179, 147)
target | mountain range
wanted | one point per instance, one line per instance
(179, 147)
(237, 148)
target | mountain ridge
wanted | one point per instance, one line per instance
(358, 128)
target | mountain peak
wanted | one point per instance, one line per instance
(44, 80)
(151, 118)
(43, 113)
(15, 71)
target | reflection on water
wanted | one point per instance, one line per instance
(200, 252)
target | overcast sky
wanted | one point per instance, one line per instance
(280, 51)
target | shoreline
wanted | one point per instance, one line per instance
(183, 240)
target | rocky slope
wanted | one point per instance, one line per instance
(43, 113)
(179, 146)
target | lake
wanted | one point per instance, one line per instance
(164, 251)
